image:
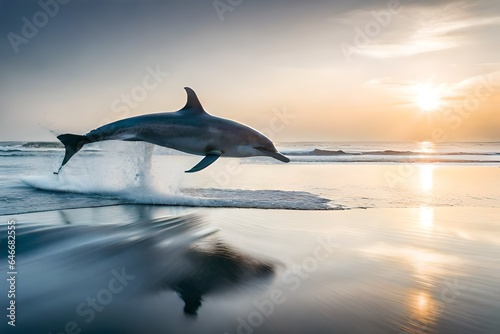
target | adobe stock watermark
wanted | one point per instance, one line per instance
(11, 272)
(455, 114)
(223, 6)
(449, 295)
(363, 36)
(87, 309)
(30, 27)
(292, 279)
(279, 121)
(403, 172)
(122, 105)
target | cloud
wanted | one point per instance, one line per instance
(480, 87)
(416, 31)
(388, 81)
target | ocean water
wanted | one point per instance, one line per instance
(346, 238)
(321, 176)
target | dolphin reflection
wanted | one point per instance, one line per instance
(64, 264)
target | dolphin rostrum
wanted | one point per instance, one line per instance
(191, 130)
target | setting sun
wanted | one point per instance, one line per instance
(428, 96)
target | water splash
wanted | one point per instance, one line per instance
(131, 173)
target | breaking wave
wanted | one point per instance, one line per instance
(193, 197)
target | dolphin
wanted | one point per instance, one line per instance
(191, 130)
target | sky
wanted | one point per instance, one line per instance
(353, 70)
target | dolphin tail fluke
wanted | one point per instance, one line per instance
(72, 144)
(205, 162)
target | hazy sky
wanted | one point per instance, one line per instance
(297, 70)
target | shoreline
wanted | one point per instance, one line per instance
(194, 207)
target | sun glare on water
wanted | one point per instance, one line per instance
(428, 97)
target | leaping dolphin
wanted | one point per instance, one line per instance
(191, 130)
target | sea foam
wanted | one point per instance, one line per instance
(133, 175)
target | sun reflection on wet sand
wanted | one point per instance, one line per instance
(422, 309)
(426, 218)
(426, 171)
(426, 177)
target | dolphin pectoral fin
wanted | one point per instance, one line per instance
(205, 162)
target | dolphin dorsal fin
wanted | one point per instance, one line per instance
(193, 104)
